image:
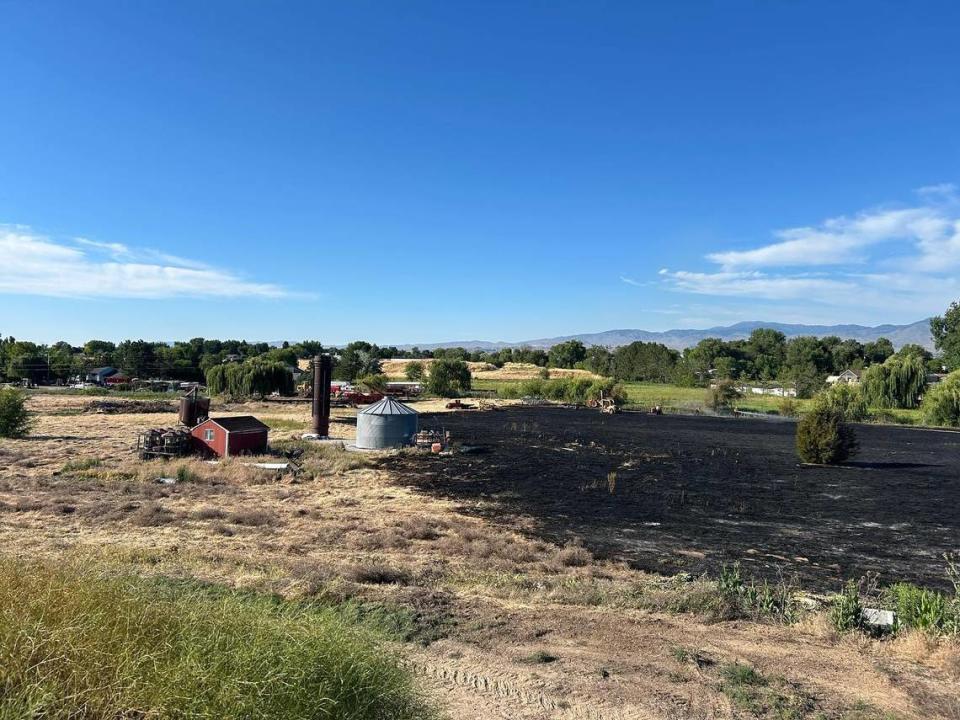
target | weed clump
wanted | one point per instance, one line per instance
(847, 612)
(574, 555)
(740, 598)
(922, 609)
(824, 438)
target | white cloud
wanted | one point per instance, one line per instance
(37, 265)
(844, 240)
(877, 263)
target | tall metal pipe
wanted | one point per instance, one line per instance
(322, 374)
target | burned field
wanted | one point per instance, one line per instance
(671, 494)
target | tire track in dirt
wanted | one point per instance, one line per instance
(511, 688)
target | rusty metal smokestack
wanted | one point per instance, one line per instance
(322, 374)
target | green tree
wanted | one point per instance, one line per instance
(567, 354)
(15, 421)
(877, 351)
(946, 335)
(138, 358)
(767, 349)
(598, 360)
(448, 378)
(806, 365)
(847, 355)
(357, 359)
(651, 362)
(414, 371)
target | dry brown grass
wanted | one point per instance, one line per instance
(528, 371)
(395, 368)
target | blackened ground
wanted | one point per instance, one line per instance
(691, 493)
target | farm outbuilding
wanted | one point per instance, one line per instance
(228, 436)
(386, 424)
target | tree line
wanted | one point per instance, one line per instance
(765, 356)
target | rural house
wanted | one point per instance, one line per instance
(847, 377)
(228, 436)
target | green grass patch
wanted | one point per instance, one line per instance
(752, 692)
(75, 642)
(74, 466)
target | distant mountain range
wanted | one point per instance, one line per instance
(899, 335)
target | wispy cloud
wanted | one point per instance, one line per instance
(631, 281)
(877, 262)
(80, 268)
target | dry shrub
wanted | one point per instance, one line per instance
(422, 528)
(573, 555)
(28, 505)
(252, 518)
(152, 515)
(220, 528)
(210, 513)
(381, 539)
(377, 573)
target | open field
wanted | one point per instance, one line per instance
(495, 612)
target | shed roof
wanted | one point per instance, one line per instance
(388, 406)
(239, 424)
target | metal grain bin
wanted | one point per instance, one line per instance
(386, 424)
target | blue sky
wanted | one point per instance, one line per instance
(432, 171)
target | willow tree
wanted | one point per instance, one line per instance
(941, 405)
(898, 383)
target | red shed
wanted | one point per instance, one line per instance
(231, 435)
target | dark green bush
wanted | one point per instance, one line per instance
(15, 421)
(824, 438)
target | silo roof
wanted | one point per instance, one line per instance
(388, 406)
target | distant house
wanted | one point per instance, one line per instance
(225, 437)
(232, 358)
(118, 378)
(847, 377)
(100, 375)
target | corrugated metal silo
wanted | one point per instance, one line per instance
(386, 424)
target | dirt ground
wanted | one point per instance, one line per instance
(510, 620)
